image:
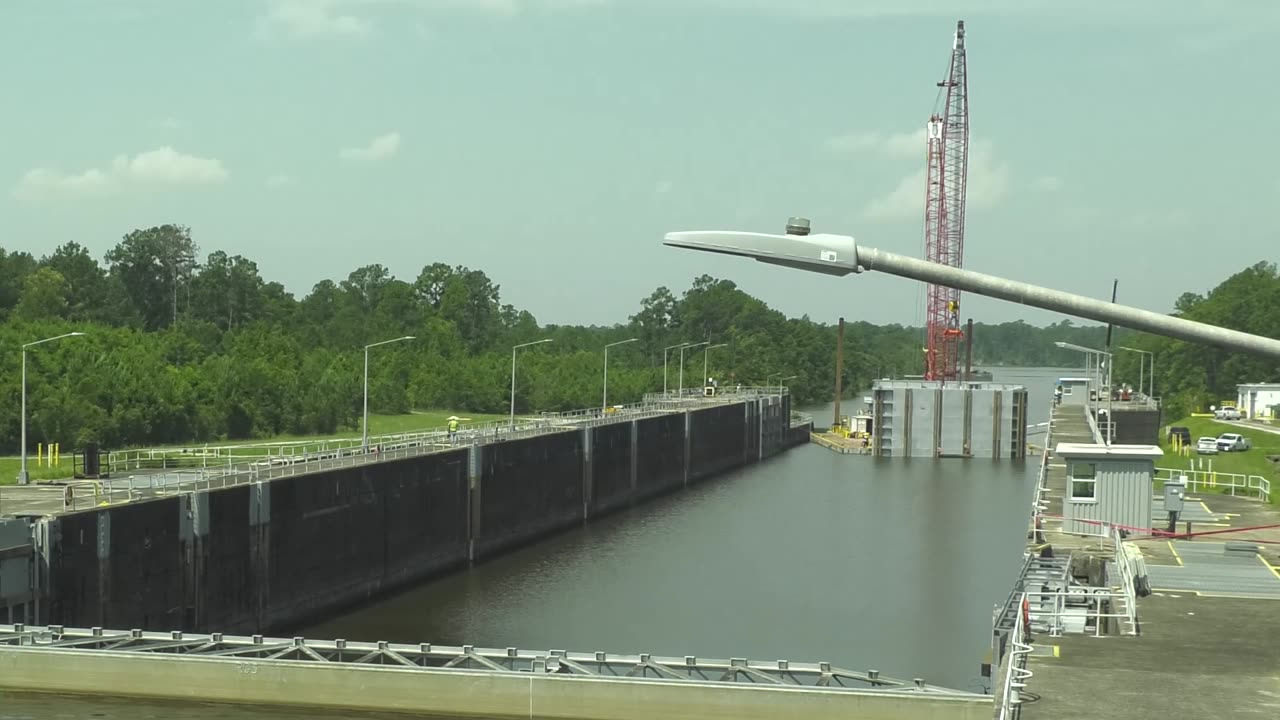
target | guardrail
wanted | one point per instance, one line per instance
(1013, 679)
(317, 456)
(1212, 480)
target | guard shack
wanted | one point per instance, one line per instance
(1109, 484)
(1075, 391)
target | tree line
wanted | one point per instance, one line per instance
(177, 349)
(1191, 377)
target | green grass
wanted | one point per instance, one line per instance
(378, 425)
(1251, 462)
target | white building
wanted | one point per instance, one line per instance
(1258, 399)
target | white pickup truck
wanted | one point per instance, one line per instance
(1227, 413)
(1233, 442)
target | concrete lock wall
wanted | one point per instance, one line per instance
(1137, 427)
(271, 555)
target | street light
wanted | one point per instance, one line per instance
(706, 354)
(513, 374)
(666, 350)
(1097, 371)
(604, 401)
(1142, 362)
(840, 255)
(364, 437)
(780, 378)
(682, 349)
(23, 476)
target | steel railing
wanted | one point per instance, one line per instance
(1014, 675)
(255, 463)
(1199, 480)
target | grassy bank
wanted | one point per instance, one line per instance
(378, 425)
(1251, 462)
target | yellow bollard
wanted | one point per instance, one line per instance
(57, 454)
(39, 454)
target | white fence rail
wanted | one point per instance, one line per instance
(1214, 481)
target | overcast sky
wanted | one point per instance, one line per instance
(552, 143)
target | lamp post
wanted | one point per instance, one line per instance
(840, 255)
(1090, 354)
(604, 401)
(706, 354)
(23, 476)
(364, 436)
(666, 350)
(780, 379)
(513, 374)
(1141, 363)
(682, 349)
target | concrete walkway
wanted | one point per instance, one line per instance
(1201, 653)
(1252, 426)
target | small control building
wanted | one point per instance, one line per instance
(1075, 391)
(1107, 484)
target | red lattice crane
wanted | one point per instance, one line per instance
(948, 158)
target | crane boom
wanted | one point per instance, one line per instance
(948, 170)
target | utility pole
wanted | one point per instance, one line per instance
(839, 369)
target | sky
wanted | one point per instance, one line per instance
(552, 143)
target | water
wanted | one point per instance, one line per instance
(867, 563)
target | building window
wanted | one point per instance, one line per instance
(1084, 481)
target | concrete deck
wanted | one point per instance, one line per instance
(839, 443)
(1207, 646)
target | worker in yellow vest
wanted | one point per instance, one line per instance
(453, 429)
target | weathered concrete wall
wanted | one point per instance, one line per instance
(660, 454)
(273, 555)
(717, 441)
(611, 473)
(1137, 427)
(528, 488)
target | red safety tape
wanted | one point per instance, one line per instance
(1156, 534)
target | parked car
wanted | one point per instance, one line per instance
(1227, 413)
(1207, 446)
(1233, 442)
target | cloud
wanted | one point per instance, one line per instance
(355, 18)
(279, 180)
(987, 183)
(162, 167)
(1047, 183)
(312, 18)
(383, 146)
(167, 166)
(908, 144)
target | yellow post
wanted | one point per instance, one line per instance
(57, 454)
(39, 453)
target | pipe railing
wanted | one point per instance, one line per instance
(1214, 481)
(297, 458)
(1014, 677)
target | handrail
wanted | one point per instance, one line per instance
(1016, 674)
(1212, 479)
(323, 455)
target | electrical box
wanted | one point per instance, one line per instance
(1174, 493)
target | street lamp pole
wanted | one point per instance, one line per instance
(364, 435)
(665, 351)
(513, 374)
(706, 354)
(1142, 361)
(23, 476)
(1103, 373)
(686, 347)
(604, 401)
